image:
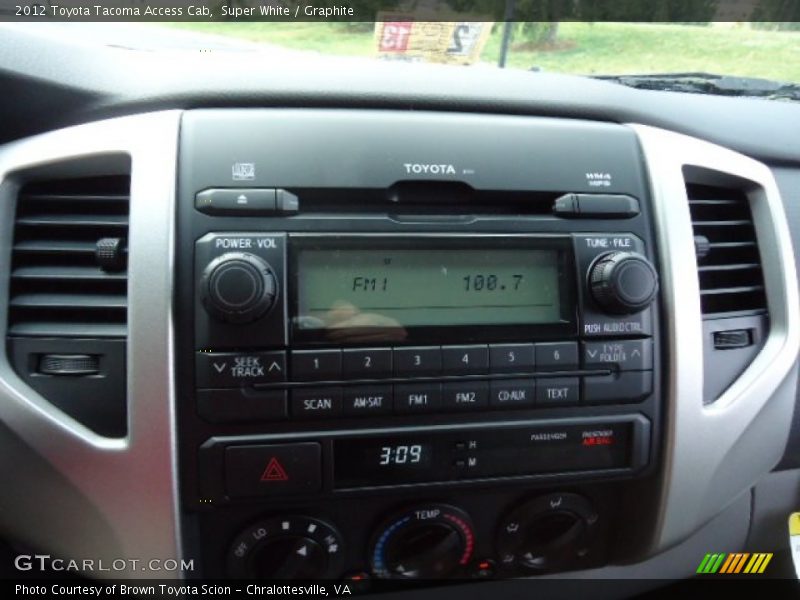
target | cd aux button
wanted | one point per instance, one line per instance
(512, 393)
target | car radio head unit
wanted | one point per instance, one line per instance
(460, 352)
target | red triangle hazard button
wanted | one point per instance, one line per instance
(274, 471)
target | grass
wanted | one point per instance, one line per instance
(583, 48)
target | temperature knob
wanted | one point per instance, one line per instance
(545, 533)
(293, 547)
(623, 283)
(430, 541)
(238, 287)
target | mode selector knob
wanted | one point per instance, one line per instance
(238, 287)
(623, 283)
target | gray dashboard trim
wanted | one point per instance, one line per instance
(716, 452)
(124, 495)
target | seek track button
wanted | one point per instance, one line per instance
(229, 370)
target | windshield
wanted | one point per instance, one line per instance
(677, 45)
(744, 49)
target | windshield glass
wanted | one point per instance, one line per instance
(744, 49)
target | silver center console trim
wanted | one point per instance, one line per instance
(716, 452)
(95, 497)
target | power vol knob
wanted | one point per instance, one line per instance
(238, 287)
(623, 283)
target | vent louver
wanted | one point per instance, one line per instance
(729, 265)
(58, 286)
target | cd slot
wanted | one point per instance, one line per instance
(424, 199)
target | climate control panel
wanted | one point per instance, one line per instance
(425, 541)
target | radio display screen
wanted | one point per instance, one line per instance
(401, 288)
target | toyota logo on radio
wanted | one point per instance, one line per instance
(427, 168)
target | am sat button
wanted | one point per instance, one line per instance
(273, 469)
(365, 400)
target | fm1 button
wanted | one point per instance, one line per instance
(273, 469)
(561, 391)
(367, 400)
(316, 403)
(417, 397)
(228, 370)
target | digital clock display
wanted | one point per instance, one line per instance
(404, 454)
(361, 462)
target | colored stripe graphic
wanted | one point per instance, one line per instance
(740, 563)
(711, 563)
(728, 563)
(767, 558)
(736, 562)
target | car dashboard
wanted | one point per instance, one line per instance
(374, 323)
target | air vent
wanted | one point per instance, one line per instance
(65, 280)
(729, 265)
